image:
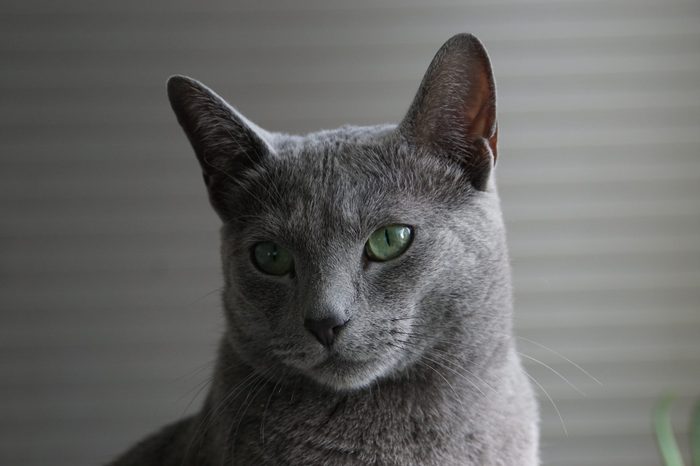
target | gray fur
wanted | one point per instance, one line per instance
(426, 371)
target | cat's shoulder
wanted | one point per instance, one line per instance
(165, 447)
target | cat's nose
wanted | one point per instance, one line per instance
(325, 330)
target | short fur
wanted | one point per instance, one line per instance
(426, 371)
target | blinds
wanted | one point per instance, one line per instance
(109, 268)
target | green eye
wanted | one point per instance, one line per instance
(272, 258)
(388, 242)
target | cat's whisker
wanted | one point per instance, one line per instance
(261, 379)
(432, 326)
(267, 405)
(196, 370)
(465, 378)
(457, 397)
(199, 388)
(556, 372)
(448, 358)
(252, 394)
(557, 353)
(214, 412)
(561, 418)
(445, 357)
(454, 341)
(207, 420)
(420, 356)
(251, 217)
(206, 295)
(294, 389)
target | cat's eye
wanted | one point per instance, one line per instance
(272, 258)
(388, 242)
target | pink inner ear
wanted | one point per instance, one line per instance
(482, 125)
(493, 143)
(480, 112)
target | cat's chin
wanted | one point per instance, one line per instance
(348, 375)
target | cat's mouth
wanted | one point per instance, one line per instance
(340, 368)
(342, 373)
(337, 362)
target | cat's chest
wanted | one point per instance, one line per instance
(376, 430)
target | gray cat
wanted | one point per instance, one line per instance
(367, 288)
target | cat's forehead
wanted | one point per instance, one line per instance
(354, 179)
(355, 164)
(335, 182)
(348, 160)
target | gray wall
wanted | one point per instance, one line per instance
(109, 313)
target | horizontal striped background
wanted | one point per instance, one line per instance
(109, 271)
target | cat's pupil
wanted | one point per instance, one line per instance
(388, 242)
(272, 259)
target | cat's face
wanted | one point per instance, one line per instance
(347, 253)
(320, 200)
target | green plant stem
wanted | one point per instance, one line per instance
(668, 447)
(695, 434)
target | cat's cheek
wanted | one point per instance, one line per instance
(396, 276)
(256, 302)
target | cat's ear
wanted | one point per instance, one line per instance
(454, 111)
(225, 142)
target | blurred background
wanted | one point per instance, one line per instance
(109, 268)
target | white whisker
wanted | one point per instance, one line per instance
(563, 424)
(563, 357)
(556, 372)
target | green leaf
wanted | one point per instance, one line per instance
(668, 447)
(695, 434)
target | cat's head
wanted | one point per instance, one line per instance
(349, 253)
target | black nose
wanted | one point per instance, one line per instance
(325, 330)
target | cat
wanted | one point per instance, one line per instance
(367, 288)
